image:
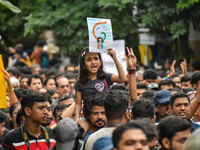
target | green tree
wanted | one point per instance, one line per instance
(170, 19)
(6, 5)
(166, 19)
(67, 19)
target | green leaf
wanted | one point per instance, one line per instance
(182, 4)
(10, 6)
(178, 29)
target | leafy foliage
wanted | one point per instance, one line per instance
(185, 3)
(10, 6)
(167, 19)
(67, 19)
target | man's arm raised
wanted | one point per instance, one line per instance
(195, 103)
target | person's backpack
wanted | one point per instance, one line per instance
(44, 59)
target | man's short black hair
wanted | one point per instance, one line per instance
(69, 75)
(20, 114)
(42, 71)
(188, 90)
(96, 100)
(143, 109)
(19, 92)
(118, 132)
(195, 78)
(19, 47)
(48, 78)
(15, 71)
(186, 78)
(30, 97)
(58, 76)
(166, 82)
(141, 86)
(150, 74)
(36, 76)
(59, 107)
(3, 116)
(178, 95)
(116, 103)
(196, 65)
(148, 95)
(170, 125)
(12, 108)
(50, 72)
(40, 42)
(25, 76)
(25, 70)
(119, 86)
(63, 98)
(149, 127)
(176, 89)
(51, 92)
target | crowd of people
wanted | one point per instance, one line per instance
(85, 108)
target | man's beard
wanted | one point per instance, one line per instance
(47, 123)
(102, 125)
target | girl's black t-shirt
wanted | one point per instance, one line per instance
(92, 87)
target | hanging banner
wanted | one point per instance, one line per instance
(100, 35)
(3, 103)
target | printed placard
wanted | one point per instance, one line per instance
(109, 64)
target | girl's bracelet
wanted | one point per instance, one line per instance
(132, 71)
(129, 75)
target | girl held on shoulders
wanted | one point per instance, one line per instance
(92, 78)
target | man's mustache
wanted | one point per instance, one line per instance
(100, 120)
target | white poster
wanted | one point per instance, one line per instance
(109, 64)
(100, 35)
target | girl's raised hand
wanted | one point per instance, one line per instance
(132, 60)
(112, 53)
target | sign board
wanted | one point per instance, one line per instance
(147, 39)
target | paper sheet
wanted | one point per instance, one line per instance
(100, 35)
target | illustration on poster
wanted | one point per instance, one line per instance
(100, 39)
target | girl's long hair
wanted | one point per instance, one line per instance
(83, 73)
